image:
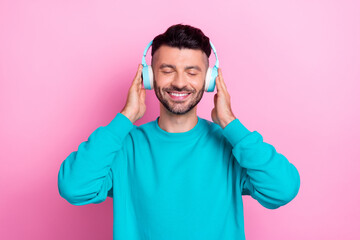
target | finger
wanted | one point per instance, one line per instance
(137, 78)
(215, 98)
(222, 79)
(142, 94)
(217, 82)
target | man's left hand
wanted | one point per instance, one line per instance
(221, 113)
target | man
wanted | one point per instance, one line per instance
(179, 176)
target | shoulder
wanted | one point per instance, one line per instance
(142, 129)
(211, 126)
(213, 129)
(215, 137)
(146, 126)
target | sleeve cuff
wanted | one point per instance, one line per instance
(235, 131)
(119, 126)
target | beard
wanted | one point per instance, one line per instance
(178, 108)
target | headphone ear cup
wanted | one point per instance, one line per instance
(151, 77)
(147, 75)
(207, 78)
(212, 83)
(209, 82)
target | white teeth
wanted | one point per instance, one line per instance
(179, 94)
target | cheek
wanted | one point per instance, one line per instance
(161, 80)
(198, 82)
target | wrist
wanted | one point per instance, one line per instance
(127, 114)
(226, 121)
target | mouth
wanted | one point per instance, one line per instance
(179, 95)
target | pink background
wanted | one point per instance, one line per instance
(291, 67)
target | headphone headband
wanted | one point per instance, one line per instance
(143, 61)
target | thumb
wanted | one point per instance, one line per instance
(142, 94)
(213, 115)
(215, 98)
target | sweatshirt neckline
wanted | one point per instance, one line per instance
(195, 131)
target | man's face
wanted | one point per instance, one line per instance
(179, 77)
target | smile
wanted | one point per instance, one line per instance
(178, 95)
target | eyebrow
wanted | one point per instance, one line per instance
(174, 67)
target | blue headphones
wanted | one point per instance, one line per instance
(148, 75)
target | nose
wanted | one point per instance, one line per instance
(179, 81)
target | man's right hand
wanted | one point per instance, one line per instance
(135, 106)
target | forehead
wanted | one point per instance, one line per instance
(176, 56)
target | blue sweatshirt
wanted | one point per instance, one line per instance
(185, 185)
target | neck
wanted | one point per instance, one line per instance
(173, 123)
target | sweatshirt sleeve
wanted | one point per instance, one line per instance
(266, 175)
(85, 176)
